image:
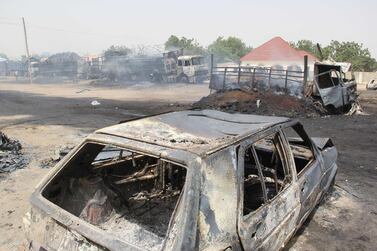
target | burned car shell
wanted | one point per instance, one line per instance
(331, 85)
(208, 217)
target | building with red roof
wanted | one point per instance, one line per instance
(277, 53)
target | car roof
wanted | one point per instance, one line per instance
(198, 132)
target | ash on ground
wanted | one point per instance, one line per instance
(264, 103)
(11, 156)
(58, 155)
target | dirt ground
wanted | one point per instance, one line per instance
(46, 116)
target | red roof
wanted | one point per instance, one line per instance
(276, 49)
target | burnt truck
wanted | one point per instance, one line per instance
(326, 84)
(172, 67)
(332, 87)
(64, 65)
(188, 180)
(184, 68)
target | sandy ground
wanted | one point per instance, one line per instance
(46, 116)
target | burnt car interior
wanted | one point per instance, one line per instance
(263, 164)
(300, 146)
(112, 188)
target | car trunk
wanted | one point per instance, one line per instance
(129, 195)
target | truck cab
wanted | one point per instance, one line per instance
(191, 69)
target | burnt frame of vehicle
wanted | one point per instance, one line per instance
(210, 206)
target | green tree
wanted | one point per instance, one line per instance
(352, 52)
(115, 51)
(190, 45)
(306, 45)
(2, 55)
(231, 48)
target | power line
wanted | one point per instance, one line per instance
(10, 23)
(72, 31)
(54, 29)
(63, 30)
(59, 29)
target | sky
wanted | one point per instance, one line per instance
(91, 26)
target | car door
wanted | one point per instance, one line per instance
(265, 219)
(331, 90)
(308, 165)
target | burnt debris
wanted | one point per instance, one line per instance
(263, 103)
(11, 157)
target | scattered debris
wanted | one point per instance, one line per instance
(7, 144)
(58, 155)
(83, 90)
(254, 102)
(95, 103)
(11, 157)
(356, 109)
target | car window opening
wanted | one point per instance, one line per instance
(114, 189)
(328, 76)
(274, 174)
(300, 147)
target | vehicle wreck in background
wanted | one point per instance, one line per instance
(332, 87)
(170, 67)
(190, 180)
(327, 83)
(372, 85)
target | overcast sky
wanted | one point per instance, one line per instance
(90, 26)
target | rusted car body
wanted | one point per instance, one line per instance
(189, 180)
(332, 87)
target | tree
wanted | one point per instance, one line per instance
(231, 48)
(352, 52)
(115, 51)
(2, 55)
(190, 45)
(308, 46)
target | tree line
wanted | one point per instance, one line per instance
(232, 48)
(351, 52)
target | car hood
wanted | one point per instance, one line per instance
(321, 143)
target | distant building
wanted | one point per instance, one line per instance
(278, 53)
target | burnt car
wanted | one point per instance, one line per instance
(189, 180)
(332, 88)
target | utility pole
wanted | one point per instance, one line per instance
(27, 50)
